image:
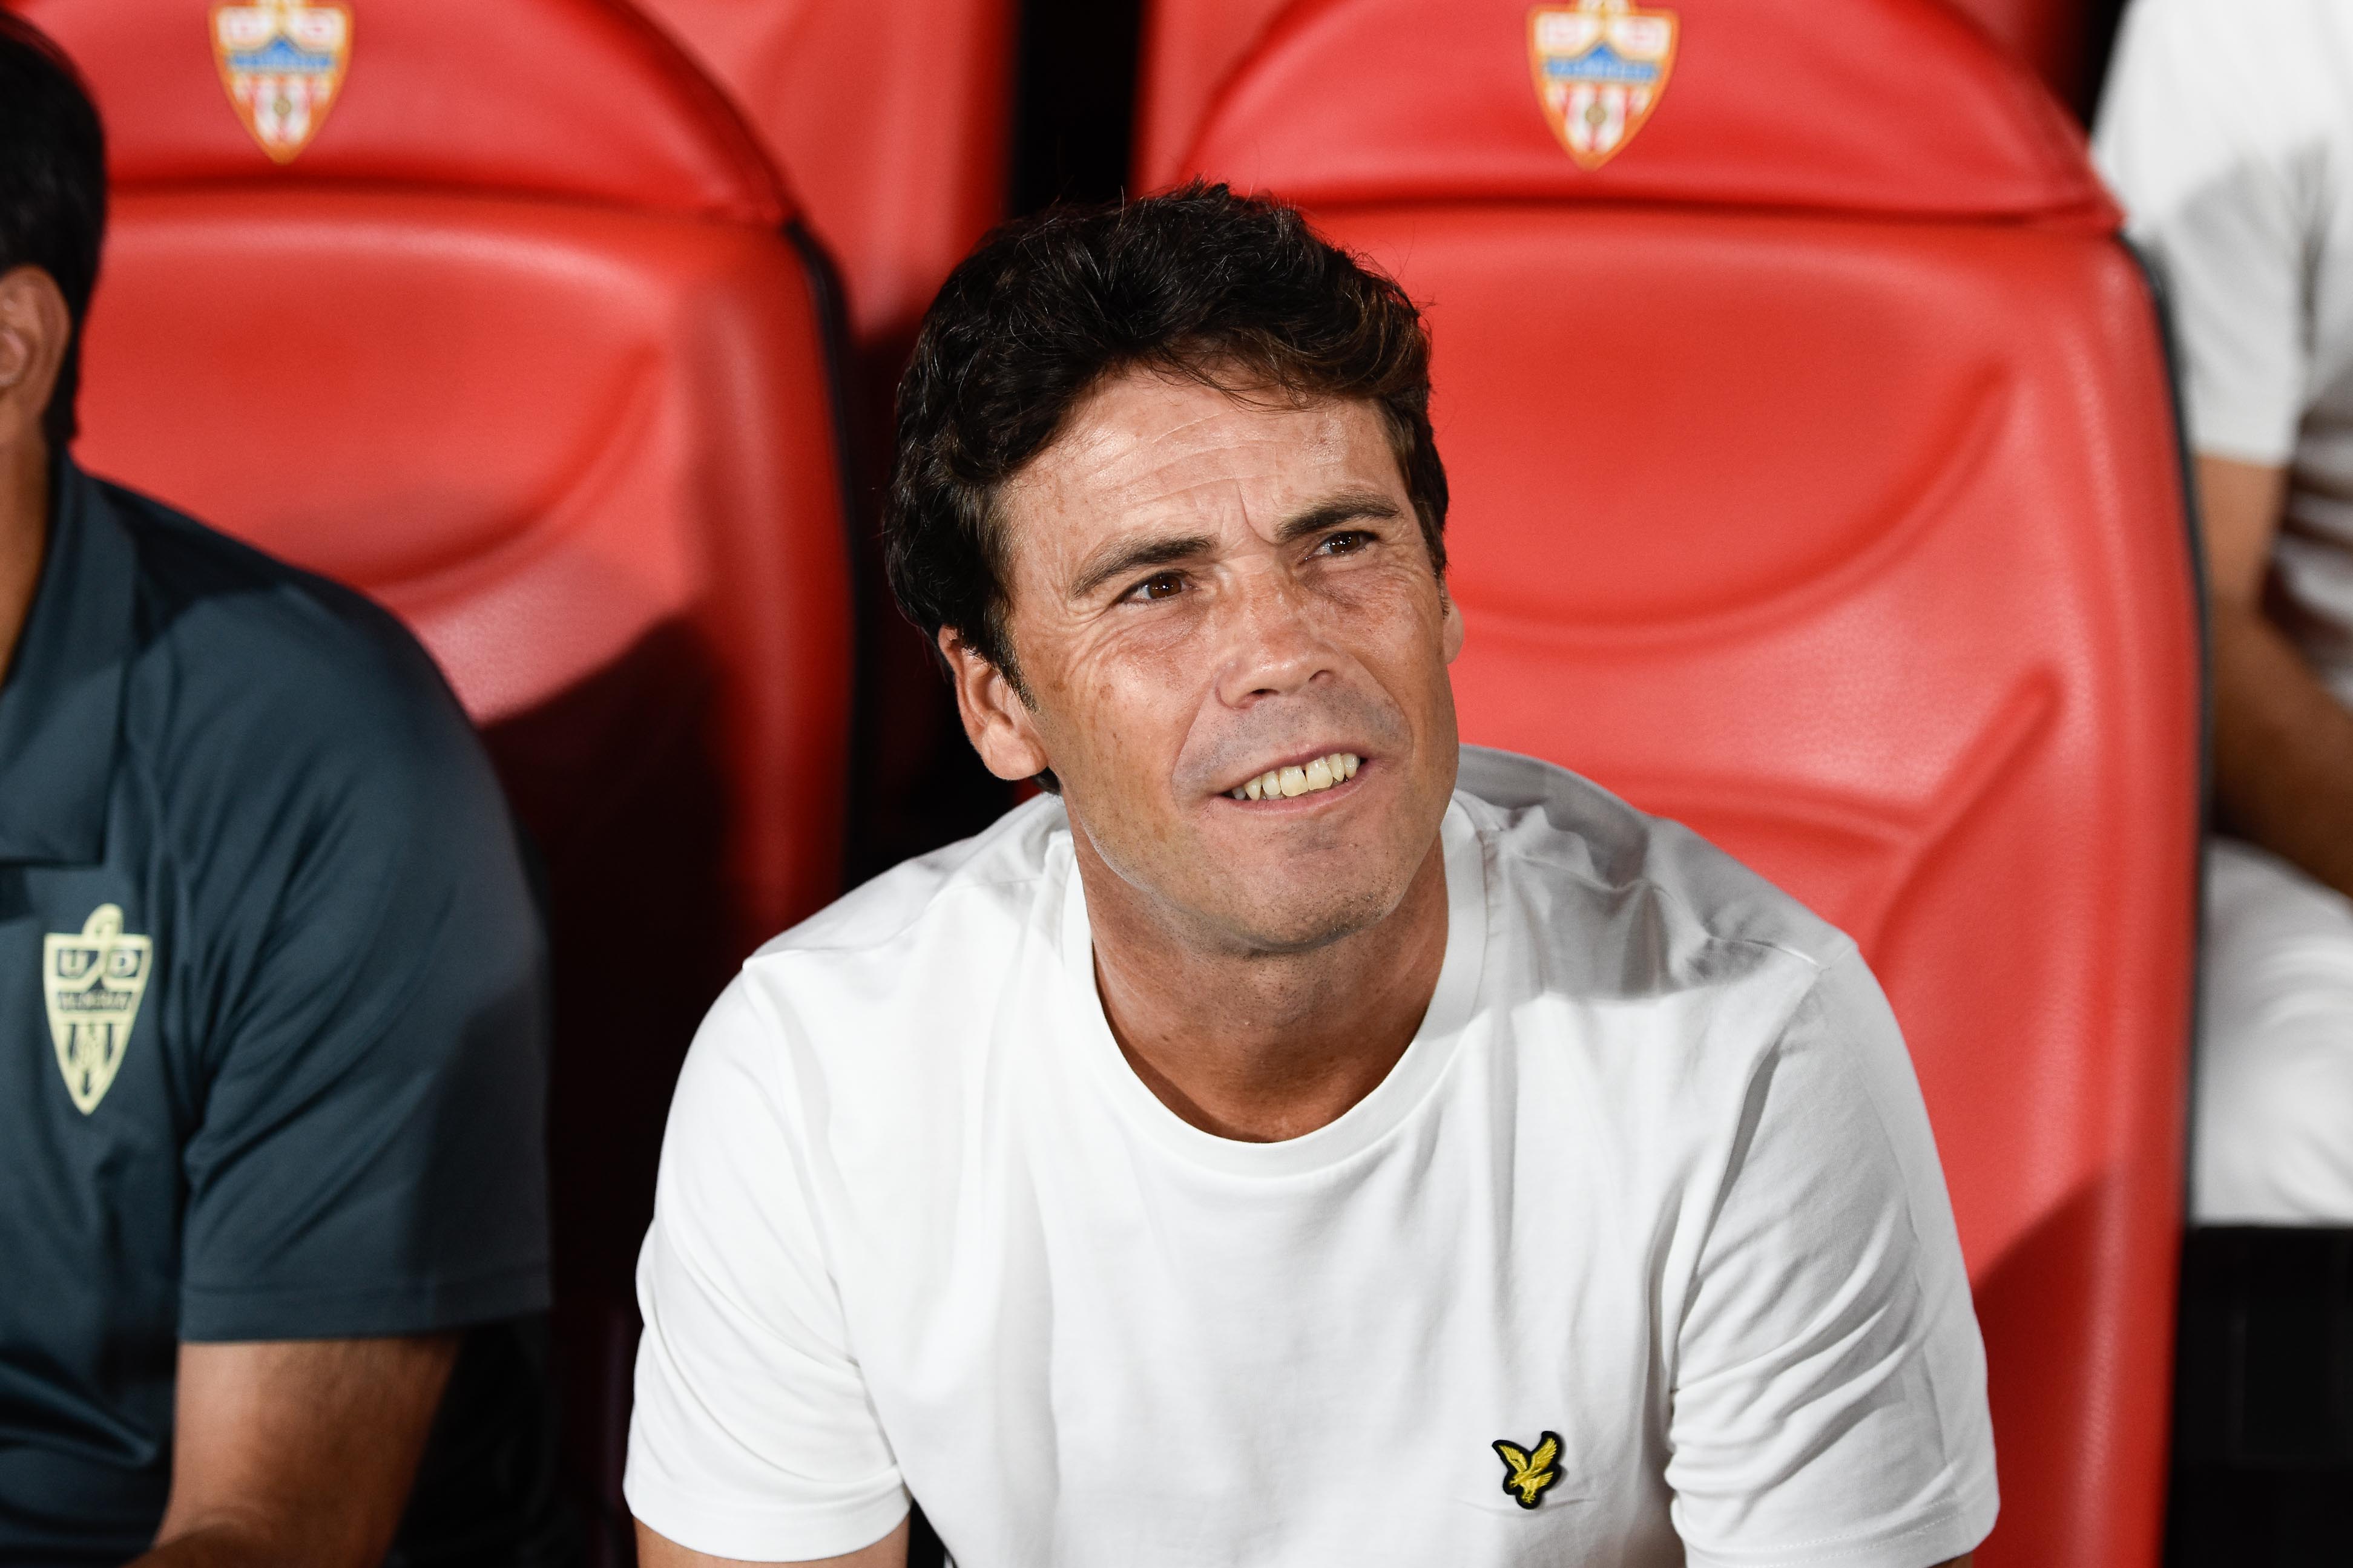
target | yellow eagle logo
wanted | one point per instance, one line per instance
(1526, 1475)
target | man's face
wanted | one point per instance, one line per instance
(1206, 590)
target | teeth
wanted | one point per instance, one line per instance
(1320, 774)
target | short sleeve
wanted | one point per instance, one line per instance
(754, 1436)
(369, 1154)
(1829, 1396)
(2199, 135)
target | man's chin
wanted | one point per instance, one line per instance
(1271, 896)
(1287, 919)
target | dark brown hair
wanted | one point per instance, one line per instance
(1236, 292)
(52, 189)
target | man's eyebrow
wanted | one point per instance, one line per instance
(1134, 555)
(1354, 507)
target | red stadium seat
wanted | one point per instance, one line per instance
(521, 343)
(2054, 36)
(1188, 49)
(895, 120)
(1191, 46)
(895, 117)
(1816, 482)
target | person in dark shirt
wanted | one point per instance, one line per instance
(272, 1018)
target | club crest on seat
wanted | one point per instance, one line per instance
(1601, 66)
(92, 981)
(282, 62)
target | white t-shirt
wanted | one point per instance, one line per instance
(1654, 1175)
(2227, 133)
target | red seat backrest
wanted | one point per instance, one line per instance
(1191, 46)
(895, 120)
(2054, 36)
(1816, 482)
(518, 343)
(895, 117)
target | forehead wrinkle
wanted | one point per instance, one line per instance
(1173, 488)
(1112, 463)
(1118, 437)
(1142, 463)
(1262, 471)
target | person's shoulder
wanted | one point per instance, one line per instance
(878, 994)
(258, 621)
(979, 892)
(2259, 32)
(2198, 91)
(1654, 974)
(247, 664)
(1598, 883)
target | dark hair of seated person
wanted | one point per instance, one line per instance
(52, 189)
(1232, 291)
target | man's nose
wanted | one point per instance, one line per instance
(1271, 642)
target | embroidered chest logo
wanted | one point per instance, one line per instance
(282, 62)
(92, 982)
(1525, 1474)
(1601, 66)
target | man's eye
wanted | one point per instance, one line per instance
(1346, 543)
(1159, 586)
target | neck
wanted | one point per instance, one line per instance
(1264, 1046)
(24, 531)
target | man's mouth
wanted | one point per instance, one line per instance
(1277, 784)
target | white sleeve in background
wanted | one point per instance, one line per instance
(752, 1437)
(2203, 136)
(1829, 1385)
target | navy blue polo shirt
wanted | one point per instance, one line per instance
(272, 1019)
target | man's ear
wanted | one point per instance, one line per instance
(997, 719)
(35, 328)
(1450, 629)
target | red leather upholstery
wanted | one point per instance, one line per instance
(895, 117)
(516, 345)
(1190, 47)
(1816, 482)
(1999, 148)
(2054, 36)
(525, 96)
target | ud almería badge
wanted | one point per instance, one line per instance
(1600, 66)
(282, 62)
(92, 982)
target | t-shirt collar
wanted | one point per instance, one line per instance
(1452, 1007)
(61, 706)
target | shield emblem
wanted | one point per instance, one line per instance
(92, 982)
(282, 62)
(1601, 66)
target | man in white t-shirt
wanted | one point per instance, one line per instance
(1276, 1146)
(2227, 131)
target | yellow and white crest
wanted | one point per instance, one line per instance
(282, 62)
(92, 981)
(1601, 66)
